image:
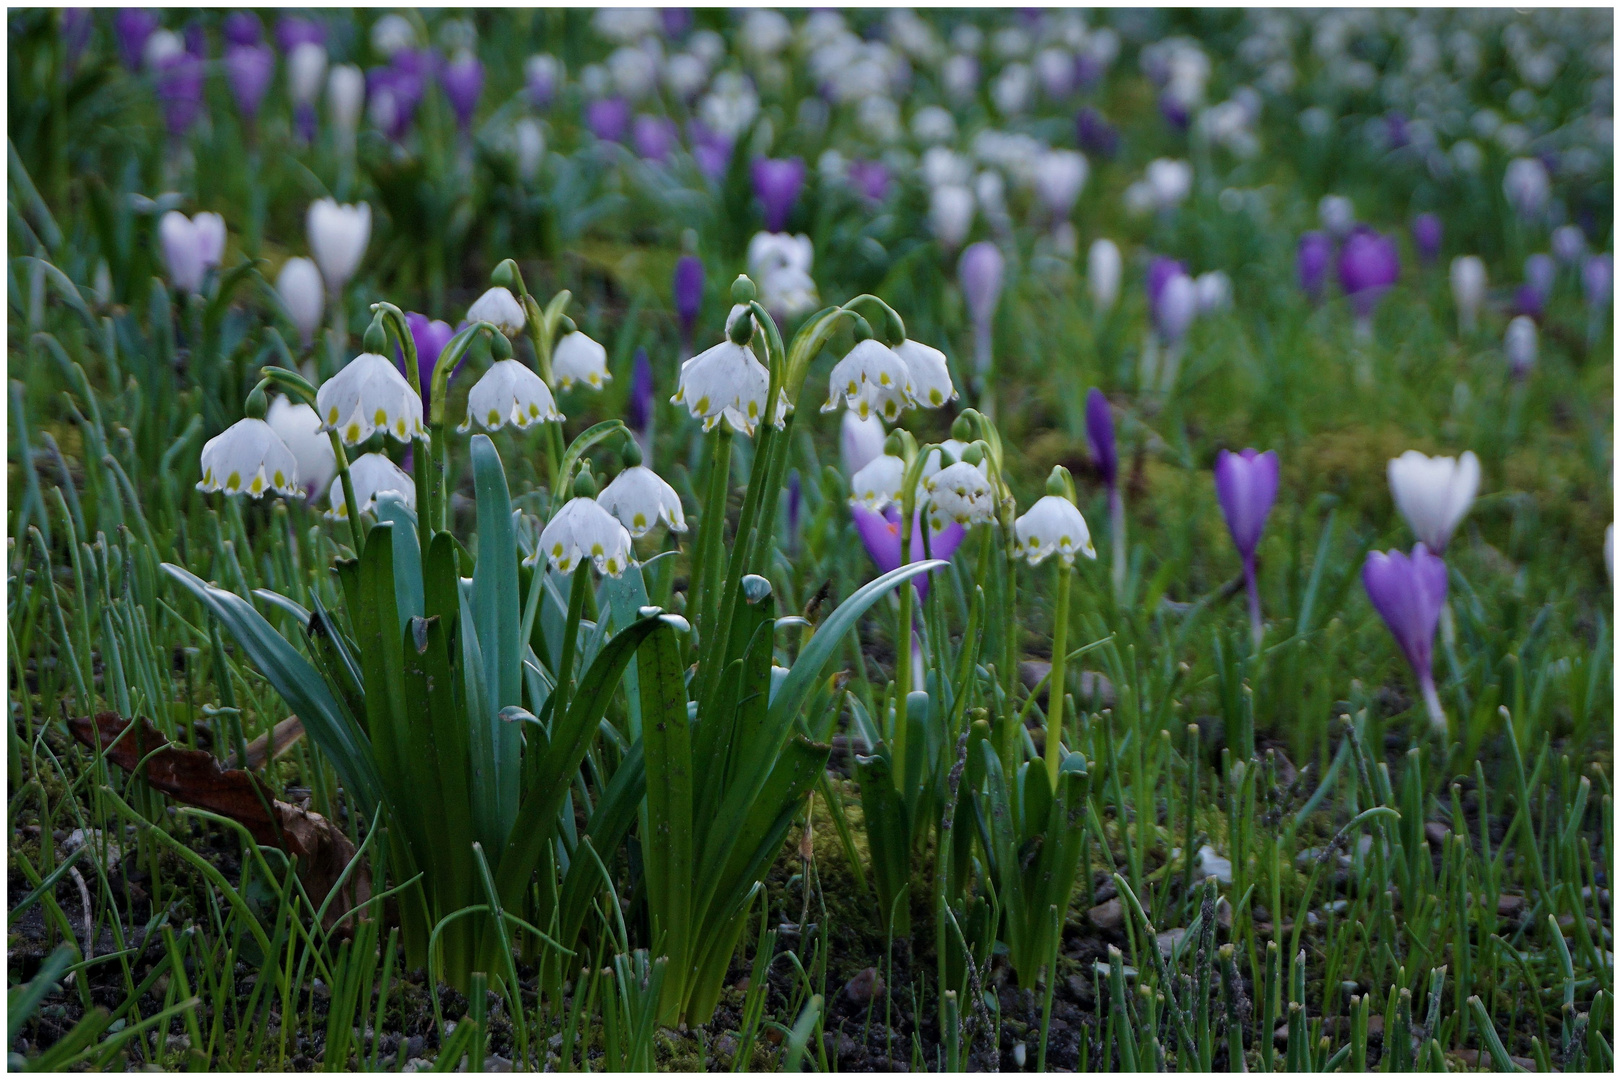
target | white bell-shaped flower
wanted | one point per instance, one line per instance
(338, 235)
(934, 462)
(579, 359)
(369, 395)
(509, 393)
(248, 458)
(500, 307)
(931, 378)
(371, 474)
(1053, 524)
(959, 492)
(1434, 494)
(725, 380)
(878, 483)
(582, 529)
(299, 427)
(640, 499)
(870, 379)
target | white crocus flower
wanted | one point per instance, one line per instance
(579, 359)
(299, 286)
(346, 100)
(1053, 524)
(1170, 181)
(1468, 289)
(780, 265)
(509, 393)
(248, 458)
(725, 380)
(338, 234)
(640, 499)
(1059, 177)
(959, 492)
(870, 379)
(582, 529)
(878, 483)
(1434, 494)
(500, 307)
(191, 246)
(931, 378)
(306, 69)
(951, 214)
(372, 475)
(369, 395)
(298, 427)
(859, 442)
(1103, 265)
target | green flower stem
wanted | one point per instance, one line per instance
(1055, 685)
(356, 534)
(710, 535)
(1117, 531)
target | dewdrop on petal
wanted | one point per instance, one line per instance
(878, 483)
(372, 475)
(509, 393)
(369, 395)
(579, 359)
(248, 458)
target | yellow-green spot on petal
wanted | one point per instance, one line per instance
(639, 520)
(233, 481)
(495, 418)
(352, 434)
(281, 479)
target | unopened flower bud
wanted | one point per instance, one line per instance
(256, 404)
(743, 290)
(500, 346)
(962, 428)
(585, 486)
(1059, 482)
(631, 454)
(376, 335)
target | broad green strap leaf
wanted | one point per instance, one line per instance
(408, 599)
(488, 824)
(291, 607)
(667, 743)
(611, 820)
(327, 720)
(496, 614)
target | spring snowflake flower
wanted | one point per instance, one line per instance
(248, 458)
(500, 307)
(959, 492)
(369, 395)
(1053, 524)
(579, 359)
(582, 529)
(871, 379)
(640, 498)
(878, 483)
(727, 381)
(372, 475)
(931, 378)
(509, 393)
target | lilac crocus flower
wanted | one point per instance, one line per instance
(1596, 281)
(1427, 236)
(979, 272)
(463, 81)
(430, 336)
(870, 178)
(293, 31)
(1175, 111)
(243, 28)
(1540, 271)
(179, 84)
(689, 294)
(1368, 267)
(796, 507)
(1528, 301)
(608, 118)
(881, 535)
(677, 21)
(249, 69)
(77, 26)
(132, 26)
(639, 409)
(1312, 258)
(777, 182)
(653, 137)
(1246, 486)
(711, 150)
(1095, 134)
(1100, 436)
(1409, 592)
(1161, 269)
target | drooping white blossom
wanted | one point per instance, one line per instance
(369, 395)
(582, 529)
(878, 483)
(871, 379)
(640, 499)
(372, 475)
(1052, 525)
(248, 458)
(509, 393)
(576, 358)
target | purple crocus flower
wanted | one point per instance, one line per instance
(1427, 236)
(653, 137)
(1528, 301)
(1540, 271)
(870, 178)
(639, 410)
(243, 28)
(1246, 486)
(1161, 269)
(463, 81)
(1095, 134)
(393, 93)
(608, 118)
(179, 84)
(1100, 435)
(132, 26)
(881, 535)
(249, 69)
(430, 337)
(711, 150)
(1175, 111)
(1596, 281)
(677, 21)
(776, 184)
(1368, 267)
(293, 31)
(77, 25)
(796, 506)
(1409, 592)
(1312, 258)
(689, 293)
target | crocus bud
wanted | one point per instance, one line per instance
(860, 441)
(1213, 291)
(1100, 435)
(1246, 486)
(299, 286)
(1596, 281)
(639, 409)
(1161, 269)
(530, 147)
(306, 68)
(1095, 134)
(1336, 214)
(1520, 345)
(132, 27)
(1468, 290)
(1368, 267)
(654, 137)
(1169, 182)
(1434, 494)
(1409, 593)
(608, 118)
(463, 81)
(1568, 243)
(338, 234)
(191, 247)
(979, 272)
(777, 183)
(1540, 272)
(542, 73)
(1427, 236)
(1103, 266)
(951, 214)
(248, 69)
(345, 102)
(178, 80)
(1178, 304)
(1312, 258)
(689, 291)
(1526, 185)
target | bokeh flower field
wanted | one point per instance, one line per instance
(450, 626)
